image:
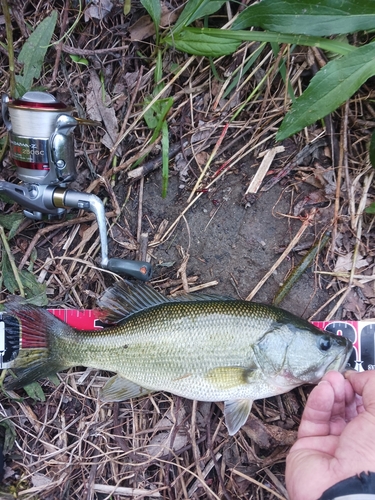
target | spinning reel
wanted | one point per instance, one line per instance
(42, 150)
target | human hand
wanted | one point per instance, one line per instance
(335, 437)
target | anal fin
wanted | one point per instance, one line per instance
(119, 388)
(236, 413)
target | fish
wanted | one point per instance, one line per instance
(201, 347)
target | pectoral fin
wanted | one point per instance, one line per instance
(118, 389)
(227, 377)
(236, 413)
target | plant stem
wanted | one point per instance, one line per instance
(9, 33)
(11, 260)
(300, 269)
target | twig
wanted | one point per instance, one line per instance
(94, 52)
(299, 158)
(140, 209)
(9, 34)
(317, 312)
(343, 145)
(126, 119)
(152, 102)
(53, 227)
(59, 45)
(288, 249)
(197, 288)
(276, 481)
(201, 474)
(245, 150)
(123, 166)
(352, 273)
(254, 481)
(143, 246)
(207, 166)
(366, 186)
(345, 276)
(124, 491)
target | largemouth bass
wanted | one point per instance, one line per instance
(205, 348)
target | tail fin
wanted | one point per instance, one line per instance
(37, 357)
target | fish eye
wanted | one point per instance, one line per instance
(324, 343)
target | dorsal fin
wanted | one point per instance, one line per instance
(125, 298)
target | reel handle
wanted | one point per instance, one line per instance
(67, 198)
(135, 268)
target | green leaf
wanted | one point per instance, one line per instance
(127, 7)
(150, 117)
(35, 391)
(155, 116)
(331, 86)
(11, 222)
(34, 50)
(156, 119)
(158, 74)
(9, 432)
(154, 10)
(283, 71)
(370, 209)
(212, 42)
(202, 44)
(35, 291)
(20, 89)
(54, 379)
(372, 149)
(196, 9)
(79, 60)
(309, 17)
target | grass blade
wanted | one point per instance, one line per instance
(165, 157)
(153, 8)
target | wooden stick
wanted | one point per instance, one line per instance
(263, 169)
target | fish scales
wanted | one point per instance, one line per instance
(177, 343)
(206, 348)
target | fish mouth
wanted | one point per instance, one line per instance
(340, 363)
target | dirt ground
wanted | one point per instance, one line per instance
(234, 240)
